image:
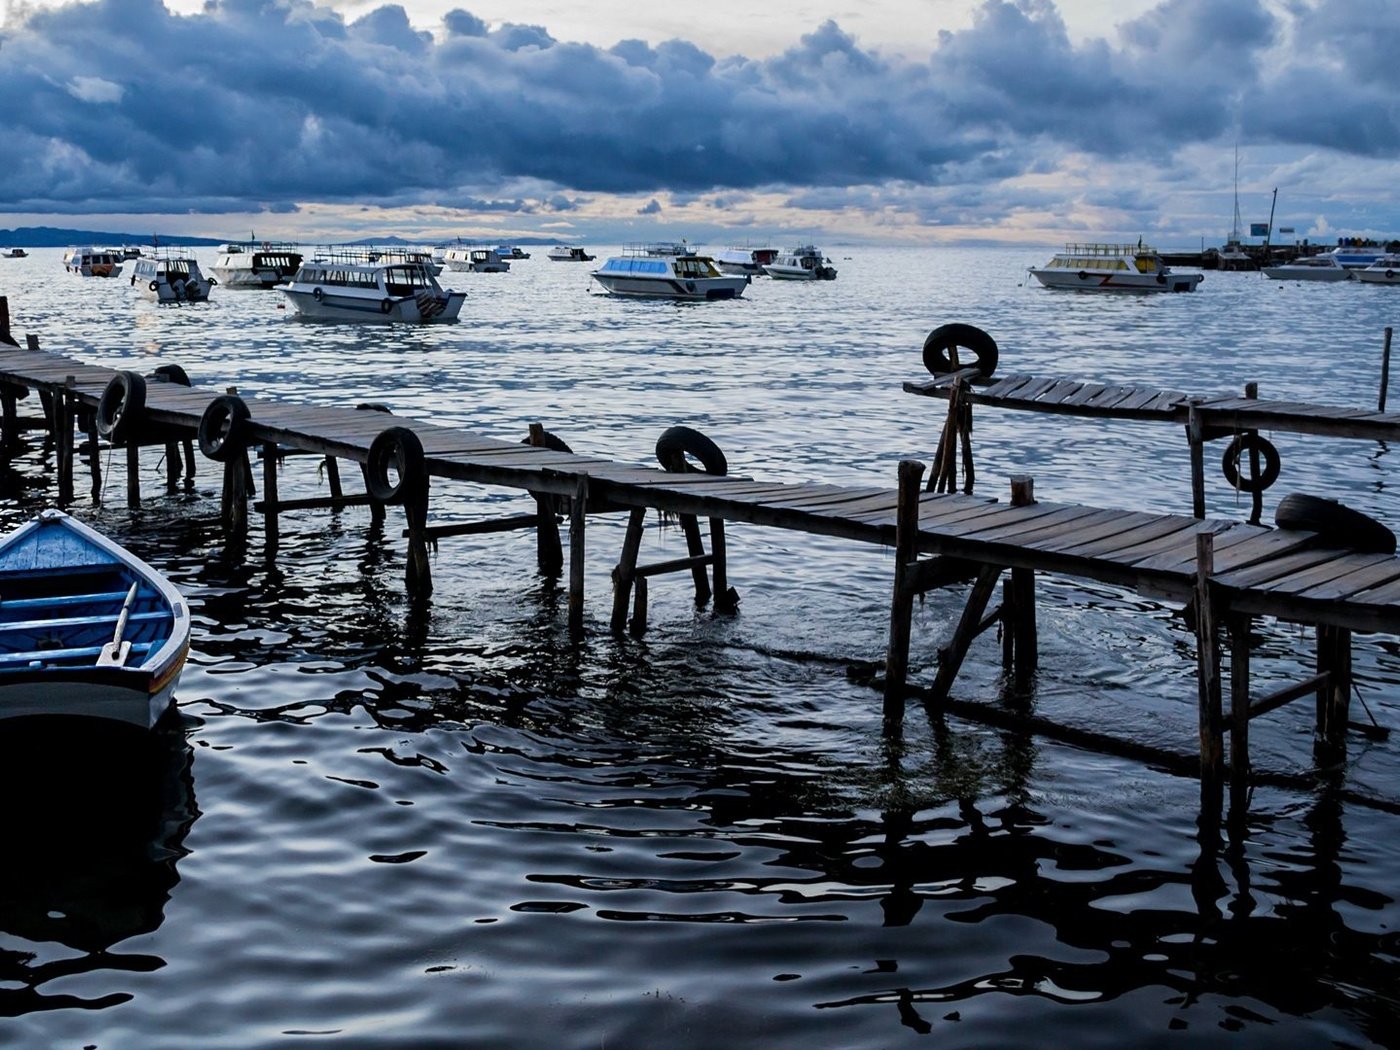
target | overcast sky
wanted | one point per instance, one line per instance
(914, 121)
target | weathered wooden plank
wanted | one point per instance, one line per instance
(1085, 394)
(1265, 573)
(983, 527)
(1059, 391)
(1352, 585)
(1058, 521)
(1003, 386)
(1110, 546)
(1236, 533)
(1324, 576)
(1033, 389)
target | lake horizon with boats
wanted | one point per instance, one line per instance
(378, 822)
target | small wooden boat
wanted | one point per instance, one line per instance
(86, 628)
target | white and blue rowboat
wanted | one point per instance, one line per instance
(86, 628)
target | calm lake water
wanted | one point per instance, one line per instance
(375, 824)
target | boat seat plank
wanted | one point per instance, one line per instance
(50, 655)
(80, 621)
(59, 600)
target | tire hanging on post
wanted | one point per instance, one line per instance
(121, 406)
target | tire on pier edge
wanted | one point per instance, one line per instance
(121, 406)
(678, 445)
(223, 427)
(396, 450)
(969, 340)
(170, 374)
(1336, 525)
(552, 441)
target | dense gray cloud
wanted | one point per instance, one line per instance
(120, 105)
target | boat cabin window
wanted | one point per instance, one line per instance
(405, 280)
(695, 267)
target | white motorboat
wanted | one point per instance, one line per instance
(803, 263)
(1323, 267)
(746, 260)
(171, 275)
(691, 277)
(358, 285)
(511, 252)
(1385, 270)
(1113, 268)
(475, 260)
(93, 262)
(262, 264)
(565, 253)
(86, 627)
(14, 253)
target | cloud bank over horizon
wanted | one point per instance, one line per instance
(123, 107)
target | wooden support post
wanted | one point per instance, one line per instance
(64, 409)
(1239, 626)
(624, 572)
(418, 574)
(945, 464)
(9, 423)
(970, 625)
(333, 476)
(5, 336)
(133, 473)
(726, 598)
(1208, 665)
(1256, 509)
(906, 552)
(578, 514)
(88, 424)
(965, 434)
(1196, 435)
(172, 466)
(241, 471)
(271, 529)
(1020, 623)
(1385, 369)
(189, 464)
(696, 547)
(639, 608)
(1334, 695)
(549, 550)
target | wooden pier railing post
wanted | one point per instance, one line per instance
(271, 525)
(65, 408)
(549, 551)
(1333, 695)
(578, 515)
(624, 574)
(906, 550)
(1020, 621)
(1385, 369)
(1196, 435)
(1208, 665)
(1239, 626)
(418, 573)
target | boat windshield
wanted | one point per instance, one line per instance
(405, 280)
(695, 266)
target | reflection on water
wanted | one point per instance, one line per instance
(446, 824)
(95, 821)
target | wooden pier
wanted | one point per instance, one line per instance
(1227, 573)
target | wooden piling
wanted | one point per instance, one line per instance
(624, 573)
(1239, 626)
(549, 551)
(906, 551)
(1334, 693)
(1019, 620)
(133, 474)
(578, 514)
(5, 336)
(1196, 435)
(1385, 369)
(690, 526)
(418, 574)
(65, 407)
(1208, 664)
(726, 598)
(271, 524)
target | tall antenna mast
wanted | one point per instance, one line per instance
(1235, 229)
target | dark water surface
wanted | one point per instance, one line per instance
(375, 825)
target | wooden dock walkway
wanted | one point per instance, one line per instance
(1226, 572)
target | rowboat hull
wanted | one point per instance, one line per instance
(87, 629)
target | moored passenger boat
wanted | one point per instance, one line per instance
(749, 261)
(1323, 267)
(86, 627)
(566, 253)
(171, 275)
(1113, 268)
(262, 264)
(14, 253)
(688, 276)
(366, 286)
(803, 263)
(92, 262)
(475, 260)
(1385, 270)
(511, 252)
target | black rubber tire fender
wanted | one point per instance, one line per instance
(676, 444)
(223, 427)
(170, 374)
(153, 286)
(212, 281)
(1336, 525)
(1237, 450)
(400, 449)
(374, 406)
(121, 405)
(938, 358)
(386, 305)
(317, 293)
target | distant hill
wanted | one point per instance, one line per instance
(54, 237)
